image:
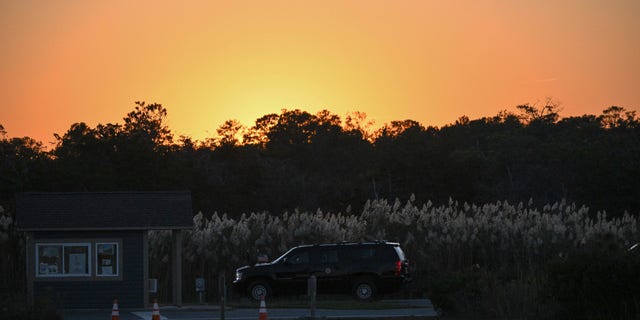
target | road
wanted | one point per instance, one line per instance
(415, 308)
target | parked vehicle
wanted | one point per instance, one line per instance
(364, 269)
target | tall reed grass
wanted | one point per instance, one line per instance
(489, 259)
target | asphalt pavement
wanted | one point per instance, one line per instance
(417, 308)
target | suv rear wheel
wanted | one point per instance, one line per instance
(259, 289)
(364, 289)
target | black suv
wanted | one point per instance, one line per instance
(364, 269)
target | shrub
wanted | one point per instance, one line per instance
(599, 281)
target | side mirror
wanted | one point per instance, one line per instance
(285, 261)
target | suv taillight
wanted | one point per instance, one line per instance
(398, 267)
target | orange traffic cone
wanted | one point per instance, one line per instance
(263, 310)
(155, 315)
(115, 314)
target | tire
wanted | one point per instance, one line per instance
(259, 289)
(364, 289)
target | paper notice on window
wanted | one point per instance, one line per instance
(107, 270)
(77, 263)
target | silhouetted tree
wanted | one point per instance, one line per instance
(356, 123)
(146, 123)
(258, 133)
(549, 113)
(296, 159)
(616, 117)
(22, 165)
(230, 134)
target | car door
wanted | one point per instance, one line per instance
(293, 270)
(327, 268)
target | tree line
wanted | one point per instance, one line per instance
(298, 160)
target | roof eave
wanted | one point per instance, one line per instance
(34, 229)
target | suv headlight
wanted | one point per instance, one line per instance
(238, 276)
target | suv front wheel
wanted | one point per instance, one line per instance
(259, 289)
(364, 289)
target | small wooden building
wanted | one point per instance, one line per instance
(86, 248)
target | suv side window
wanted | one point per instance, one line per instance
(329, 256)
(363, 253)
(299, 258)
(387, 253)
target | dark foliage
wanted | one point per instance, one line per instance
(315, 161)
(600, 282)
(15, 307)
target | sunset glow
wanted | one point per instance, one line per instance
(208, 61)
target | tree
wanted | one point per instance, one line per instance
(75, 141)
(134, 155)
(258, 134)
(549, 113)
(357, 123)
(294, 128)
(22, 164)
(146, 123)
(397, 128)
(229, 133)
(310, 161)
(618, 117)
(85, 158)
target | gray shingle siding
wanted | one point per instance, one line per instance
(98, 294)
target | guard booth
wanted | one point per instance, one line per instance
(84, 249)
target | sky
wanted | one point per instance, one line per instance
(69, 61)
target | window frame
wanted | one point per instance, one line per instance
(299, 254)
(117, 256)
(92, 256)
(62, 257)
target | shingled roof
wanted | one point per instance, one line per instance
(49, 211)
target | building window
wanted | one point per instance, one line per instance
(63, 259)
(107, 259)
(49, 260)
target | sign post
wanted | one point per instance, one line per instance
(200, 288)
(311, 291)
(222, 286)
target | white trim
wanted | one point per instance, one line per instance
(116, 263)
(63, 262)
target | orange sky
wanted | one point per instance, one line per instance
(67, 61)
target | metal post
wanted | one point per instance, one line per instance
(176, 271)
(311, 291)
(30, 270)
(200, 288)
(223, 290)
